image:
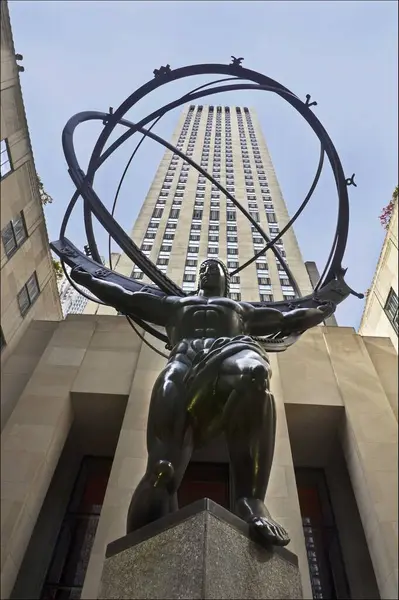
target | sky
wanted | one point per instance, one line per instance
(92, 55)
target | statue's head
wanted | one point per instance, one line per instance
(214, 278)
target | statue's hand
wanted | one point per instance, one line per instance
(302, 319)
(327, 308)
(81, 276)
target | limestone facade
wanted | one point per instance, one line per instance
(335, 395)
(379, 316)
(24, 245)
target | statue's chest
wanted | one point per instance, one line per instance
(211, 316)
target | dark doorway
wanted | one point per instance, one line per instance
(71, 555)
(326, 566)
(205, 480)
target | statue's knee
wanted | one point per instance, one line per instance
(259, 377)
(254, 379)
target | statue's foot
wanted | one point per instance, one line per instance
(255, 513)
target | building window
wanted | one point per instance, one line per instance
(27, 296)
(193, 249)
(285, 282)
(197, 214)
(71, 555)
(6, 165)
(157, 214)
(235, 296)
(264, 281)
(174, 213)
(14, 234)
(255, 216)
(232, 251)
(391, 309)
(163, 261)
(213, 250)
(2, 340)
(214, 215)
(191, 262)
(205, 480)
(271, 217)
(232, 264)
(326, 565)
(266, 297)
(188, 277)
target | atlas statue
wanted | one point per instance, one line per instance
(216, 380)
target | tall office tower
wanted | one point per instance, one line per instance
(184, 219)
(72, 302)
(28, 283)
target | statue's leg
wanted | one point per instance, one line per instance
(169, 445)
(250, 429)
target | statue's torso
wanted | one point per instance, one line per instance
(197, 317)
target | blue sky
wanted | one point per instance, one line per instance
(91, 55)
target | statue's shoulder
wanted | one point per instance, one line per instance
(246, 306)
(189, 300)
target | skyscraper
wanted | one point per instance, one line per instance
(184, 219)
(72, 302)
(75, 437)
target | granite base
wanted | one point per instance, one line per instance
(201, 551)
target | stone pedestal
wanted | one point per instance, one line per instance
(201, 551)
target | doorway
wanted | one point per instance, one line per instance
(205, 480)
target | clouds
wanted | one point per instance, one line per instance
(91, 55)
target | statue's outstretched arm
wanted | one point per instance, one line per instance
(301, 319)
(143, 305)
(266, 321)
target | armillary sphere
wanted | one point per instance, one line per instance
(331, 287)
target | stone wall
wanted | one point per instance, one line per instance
(101, 357)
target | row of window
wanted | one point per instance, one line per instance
(14, 234)
(391, 309)
(28, 294)
(5, 159)
(191, 277)
(219, 109)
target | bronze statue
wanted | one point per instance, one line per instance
(216, 381)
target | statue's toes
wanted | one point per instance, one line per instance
(282, 537)
(264, 529)
(270, 532)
